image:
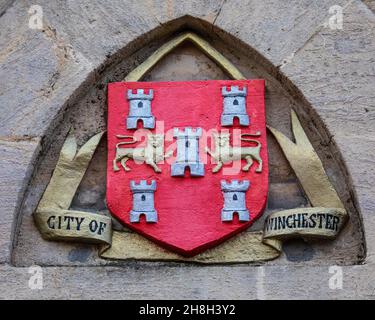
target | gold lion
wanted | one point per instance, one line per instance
(225, 153)
(152, 154)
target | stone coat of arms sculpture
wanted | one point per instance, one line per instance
(198, 174)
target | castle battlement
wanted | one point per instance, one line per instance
(234, 193)
(140, 109)
(235, 185)
(187, 133)
(143, 186)
(234, 91)
(234, 106)
(143, 201)
(187, 152)
(140, 95)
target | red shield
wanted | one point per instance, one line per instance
(189, 207)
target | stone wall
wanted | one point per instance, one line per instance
(55, 78)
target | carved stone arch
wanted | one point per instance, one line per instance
(87, 116)
(85, 111)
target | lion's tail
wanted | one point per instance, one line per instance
(256, 134)
(119, 136)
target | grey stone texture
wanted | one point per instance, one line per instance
(16, 163)
(55, 78)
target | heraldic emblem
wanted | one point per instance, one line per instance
(187, 170)
(187, 161)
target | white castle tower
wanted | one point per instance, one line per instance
(140, 109)
(234, 106)
(143, 201)
(234, 194)
(187, 152)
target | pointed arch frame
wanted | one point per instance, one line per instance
(165, 49)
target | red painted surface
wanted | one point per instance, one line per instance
(189, 208)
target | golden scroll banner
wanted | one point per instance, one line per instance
(324, 220)
(315, 222)
(54, 219)
(57, 224)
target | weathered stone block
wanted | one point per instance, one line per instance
(16, 166)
